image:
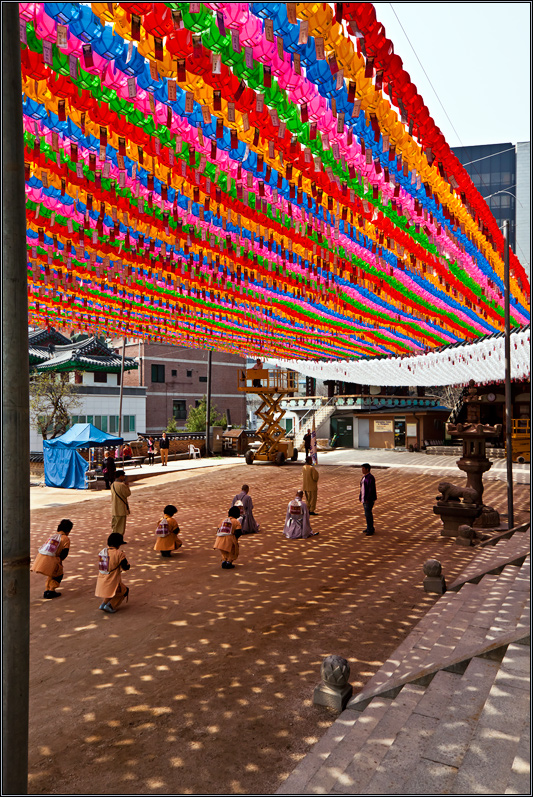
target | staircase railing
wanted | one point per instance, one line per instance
(302, 422)
(456, 409)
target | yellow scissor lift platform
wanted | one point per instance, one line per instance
(271, 387)
(521, 440)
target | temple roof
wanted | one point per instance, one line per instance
(51, 351)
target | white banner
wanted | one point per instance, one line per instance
(484, 362)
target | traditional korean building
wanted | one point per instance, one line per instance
(94, 368)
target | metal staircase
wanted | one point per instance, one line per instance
(454, 414)
(320, 415)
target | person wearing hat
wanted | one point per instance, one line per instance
(49, 560)
(111, 563)
(120, 509)
(166, 534)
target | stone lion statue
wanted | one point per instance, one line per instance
(451, 492)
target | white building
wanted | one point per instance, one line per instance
(95, 370)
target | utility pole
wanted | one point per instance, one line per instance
(208, 405)
(508, 405)
(16, 421)
(121, 393)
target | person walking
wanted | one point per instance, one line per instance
(120, 509)
(151, 450)
(368, 497)
(307, 442)
(310, 485)
(111, 563)
(244, 501)
(49, 560)
(109, 470)
(164, 444)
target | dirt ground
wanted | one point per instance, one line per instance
(203, 682)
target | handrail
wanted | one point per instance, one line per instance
(313, 411)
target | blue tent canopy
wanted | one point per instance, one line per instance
(83, 435)
(63, 466)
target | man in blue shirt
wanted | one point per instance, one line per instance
(368, 497)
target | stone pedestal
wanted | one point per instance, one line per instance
(435, 584)
(454, 514)
(434, 580)
(334, 691)
(474, 463)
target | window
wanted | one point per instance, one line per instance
(128, 423)
(158, 373)
(189, 373)
(203, 379)
(174, 372)
(100, 376)
(90, 418)
(179, 411)
(113, 424)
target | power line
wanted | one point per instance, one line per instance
(426, 74)
(509, 149)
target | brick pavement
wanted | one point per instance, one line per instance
(203, 682)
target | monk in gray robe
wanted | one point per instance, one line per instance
(244, 501)
(297, 523)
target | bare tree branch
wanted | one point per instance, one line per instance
(53, 399)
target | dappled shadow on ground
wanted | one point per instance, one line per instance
(203, 682)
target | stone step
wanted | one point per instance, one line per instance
(442, 755)
(477, 615)
(520, 777)
(346, 727)
(365, 760)
(333, 765)
(494, 557)
(403, 756)
(488, 763)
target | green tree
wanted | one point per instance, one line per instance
(53, 399)
(197, 415)
(172, 426)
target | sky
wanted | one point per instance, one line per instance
(477, 57)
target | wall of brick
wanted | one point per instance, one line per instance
(187, 383)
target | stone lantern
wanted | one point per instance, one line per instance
(474, 462)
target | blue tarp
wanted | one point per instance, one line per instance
(63, 466)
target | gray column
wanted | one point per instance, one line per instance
(16, 423)
(208, 405)
(508, 404)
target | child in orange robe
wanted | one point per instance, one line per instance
(166, 534)
(227, 538)
(49, 560)
(111, 563)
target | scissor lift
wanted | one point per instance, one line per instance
(521, 440)
(271, 387)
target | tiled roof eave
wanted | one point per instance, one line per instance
(111, 366)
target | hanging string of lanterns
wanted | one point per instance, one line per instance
(184, 174)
